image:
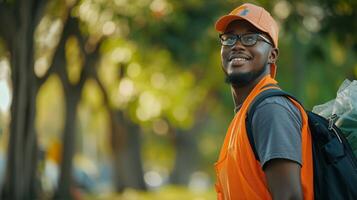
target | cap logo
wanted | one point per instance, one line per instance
(244, 12)
(240, 11)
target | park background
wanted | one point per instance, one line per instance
(125, 99)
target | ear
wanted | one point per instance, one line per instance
(273, 56)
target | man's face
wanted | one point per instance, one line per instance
(245, 64)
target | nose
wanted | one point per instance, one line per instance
(238, 45)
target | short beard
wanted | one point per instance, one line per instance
(241, 80)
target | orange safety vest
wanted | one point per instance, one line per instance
(239, 174)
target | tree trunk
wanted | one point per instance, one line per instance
(186, 157)
(72, 97)
(125, 142)
(126, 152)
(68, 145)
(187, 154)
(22, 149)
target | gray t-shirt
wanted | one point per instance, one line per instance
(276, 127)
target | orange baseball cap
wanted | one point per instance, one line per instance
(258, 17)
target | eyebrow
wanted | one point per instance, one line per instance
(228, 32)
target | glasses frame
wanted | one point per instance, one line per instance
(238, 37)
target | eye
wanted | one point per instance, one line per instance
(227, 37)
(230, 40)
(249, 38)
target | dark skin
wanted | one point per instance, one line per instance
(283, 176)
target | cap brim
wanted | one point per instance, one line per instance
(223, 22)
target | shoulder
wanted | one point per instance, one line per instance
(278, 100)
(278, 106)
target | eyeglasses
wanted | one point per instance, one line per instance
(247, 39)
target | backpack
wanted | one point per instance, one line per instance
(335, 166)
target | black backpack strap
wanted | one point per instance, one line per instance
(257, 100)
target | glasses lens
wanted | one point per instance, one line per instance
(249, 39)
(228, 39)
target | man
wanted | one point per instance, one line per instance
(249, 38)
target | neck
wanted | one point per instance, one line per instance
(241, 93)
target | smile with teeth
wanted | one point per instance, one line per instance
(239, 59)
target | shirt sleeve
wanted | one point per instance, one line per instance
(276, 127)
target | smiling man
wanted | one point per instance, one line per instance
(249, 51)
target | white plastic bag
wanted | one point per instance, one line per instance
(344, 107)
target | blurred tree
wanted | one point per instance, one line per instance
(72, 93)
(124, 137)
(18, 20)
(186, 158)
